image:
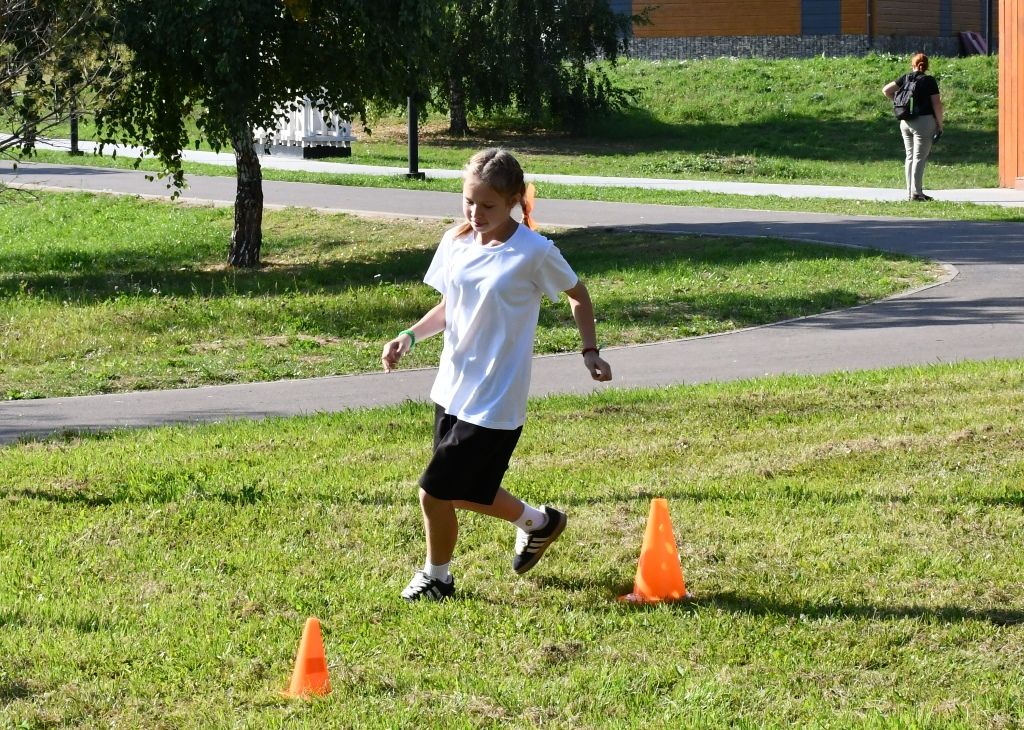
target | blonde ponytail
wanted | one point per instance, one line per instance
(529, 195)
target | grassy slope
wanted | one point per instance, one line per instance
(854, 542)
(109, 294)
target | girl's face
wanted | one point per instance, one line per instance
(487, 210)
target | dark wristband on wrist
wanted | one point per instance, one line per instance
(590, 349)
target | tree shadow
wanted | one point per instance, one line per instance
(956, 242)
(801, 137)
(99, 277)
(724, 144)
(739, 310)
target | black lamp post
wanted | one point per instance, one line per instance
(414, 148)
(73, 118)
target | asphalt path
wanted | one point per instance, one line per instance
(977, 313)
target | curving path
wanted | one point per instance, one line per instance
(977, 314)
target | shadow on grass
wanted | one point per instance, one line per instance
(780, 493)
(731, 602)
(160, 494)
(10, 617)
(192, 489)
(67, 497)
(1015, 501)
(799, 137)
(955, 242)
(759, 606)
(102, 277)
(14, 690)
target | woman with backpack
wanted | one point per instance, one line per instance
(918, 106)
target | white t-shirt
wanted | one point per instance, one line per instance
(492, 303)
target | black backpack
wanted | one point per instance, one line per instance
(904, 106)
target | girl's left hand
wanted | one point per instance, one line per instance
(599, 369)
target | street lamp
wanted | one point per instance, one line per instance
(414, 149)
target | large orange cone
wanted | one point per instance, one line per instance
(310, 674)
(659, 575)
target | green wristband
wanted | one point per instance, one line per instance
(412, 336)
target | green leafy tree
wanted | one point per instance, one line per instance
(56, 60)
(536, 55)
(230, 66)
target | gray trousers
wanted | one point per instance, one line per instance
(917, 141)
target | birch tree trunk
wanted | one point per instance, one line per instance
(247, 236)
(457, 107)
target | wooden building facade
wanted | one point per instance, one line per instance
(784, 28)
(1011, 95)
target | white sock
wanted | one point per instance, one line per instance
(439, 572)
(531, 519)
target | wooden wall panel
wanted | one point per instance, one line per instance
(689, 18)
(684, 18)
(1011, 98)
(855, 17)
(967, 16)
(970, 15)
(908, 17)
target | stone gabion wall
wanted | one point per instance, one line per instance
(786, 46)
(945, 46)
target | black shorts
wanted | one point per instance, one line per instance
(469, 461)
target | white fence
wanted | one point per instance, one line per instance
(307, 128)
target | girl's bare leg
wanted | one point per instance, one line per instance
(441, 526)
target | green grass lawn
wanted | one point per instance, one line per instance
(819, 120)
(853, 542)
(105, 294)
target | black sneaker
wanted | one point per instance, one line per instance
(530, 546)
(922, 198)
(423, 587)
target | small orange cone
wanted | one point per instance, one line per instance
(310, 674)
(659, 575)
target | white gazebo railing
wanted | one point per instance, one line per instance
(308, 132)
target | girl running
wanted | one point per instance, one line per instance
(491, 272)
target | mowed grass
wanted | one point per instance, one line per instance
(106, 294)
(853, 543)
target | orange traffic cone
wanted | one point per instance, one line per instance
(659, 575)
(310, 674)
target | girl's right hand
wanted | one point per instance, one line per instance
(599, 369)
(393, 352)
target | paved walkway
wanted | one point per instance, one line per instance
(978, 314)
(983, 196)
